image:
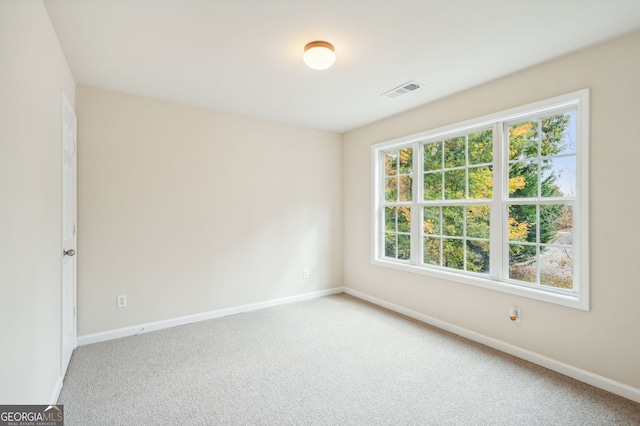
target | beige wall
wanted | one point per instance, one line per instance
(603, 341)
(188, 210)
(30, 212)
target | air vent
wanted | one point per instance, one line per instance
(402, 90)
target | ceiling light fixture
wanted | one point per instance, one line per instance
(319, 55)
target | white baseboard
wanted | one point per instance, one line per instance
(159, 325)
(585, 376)
(56, 391)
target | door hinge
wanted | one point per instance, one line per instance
(74, 229)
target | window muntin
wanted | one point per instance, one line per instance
(398, 178)
(541, 254)
(457, 237)
(398, 175)
(496, 202)
(543, 152)
(397, 232)
(542, 173)
(457, 172)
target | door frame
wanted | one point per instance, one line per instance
(68, 307)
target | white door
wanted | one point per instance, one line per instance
(69, 231)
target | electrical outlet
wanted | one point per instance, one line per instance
(514, 313)
(122, 301)
(305, 273)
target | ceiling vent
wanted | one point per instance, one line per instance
(402, 90)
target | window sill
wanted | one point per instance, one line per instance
(568, 299)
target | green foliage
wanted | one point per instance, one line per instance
(477, 256)
(398, 167)
(397, 225)
(453, 253)
(465, 165)
(530, 143)
(461, 169)
(433, 186)
(454, 152)
(461, 229)
(433, 156)
(454, 184)
(480, 146)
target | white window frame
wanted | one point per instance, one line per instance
(578, 297)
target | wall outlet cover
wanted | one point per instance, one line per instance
(122, 301)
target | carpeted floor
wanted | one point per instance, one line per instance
(329, 361)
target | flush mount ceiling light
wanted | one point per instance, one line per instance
(319, 55)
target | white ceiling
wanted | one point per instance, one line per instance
(245, 56)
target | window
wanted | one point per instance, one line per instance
(499, 202)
